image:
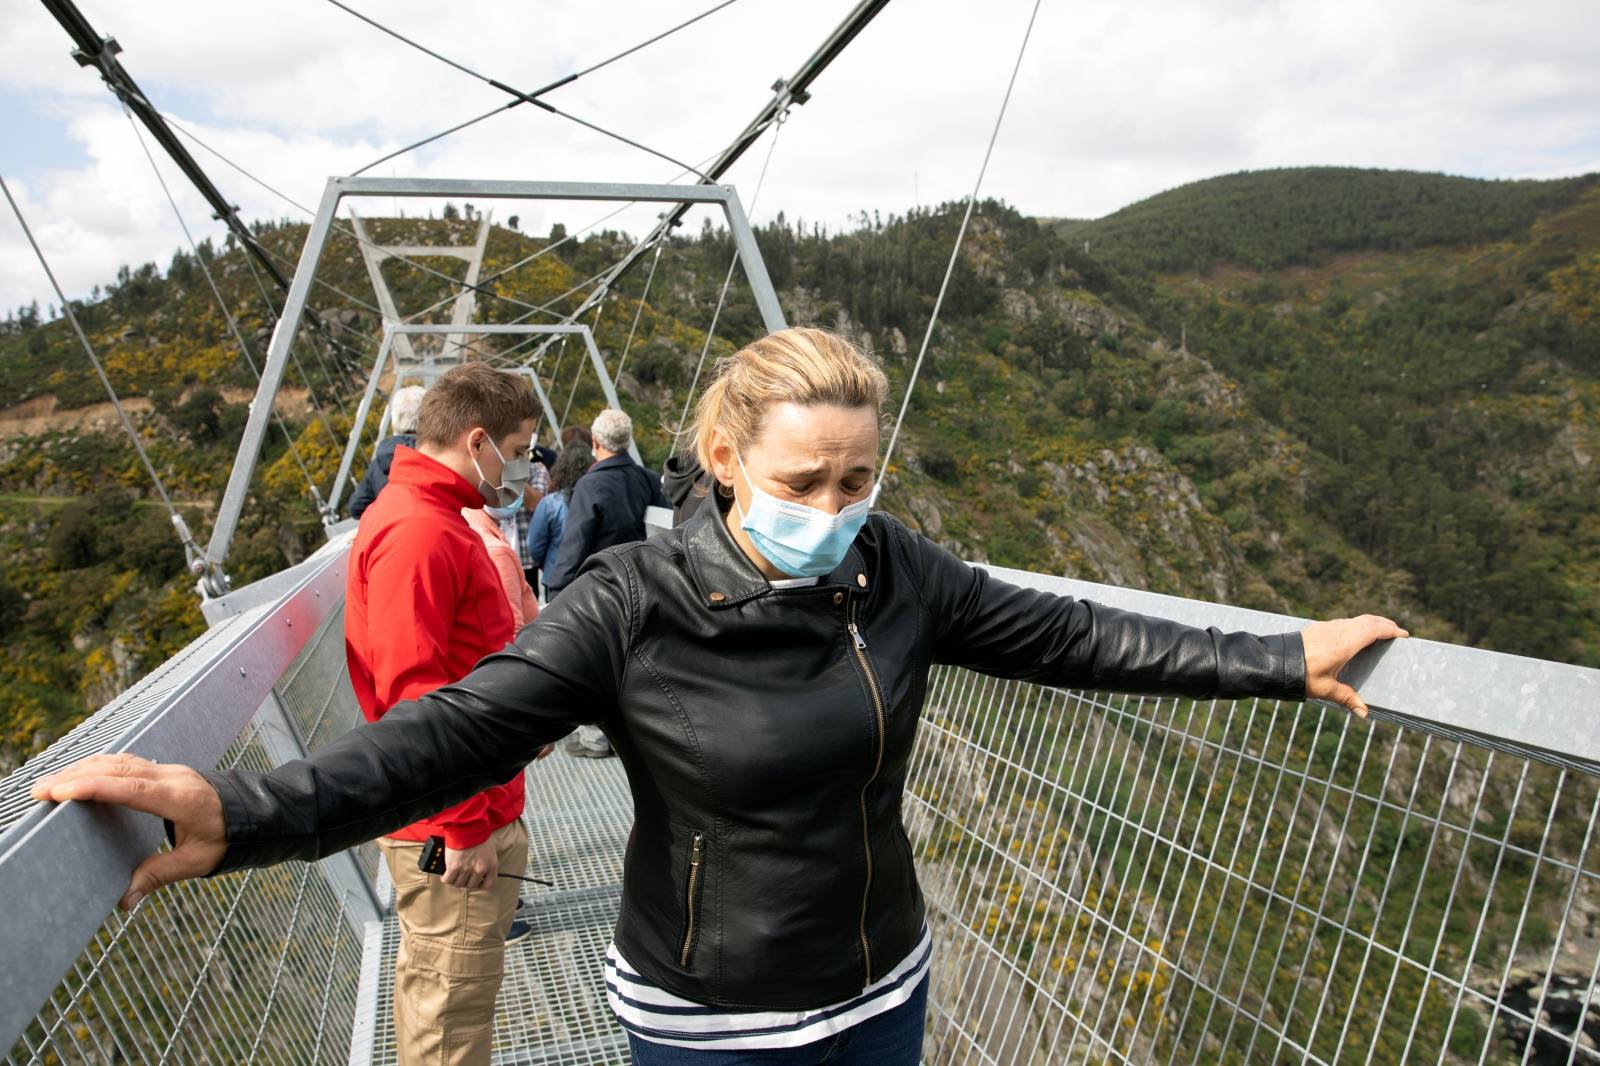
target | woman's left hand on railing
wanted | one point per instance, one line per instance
(177, 793)
(1330, 645)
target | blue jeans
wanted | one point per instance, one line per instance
(893, 1038)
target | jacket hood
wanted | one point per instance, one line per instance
(679, 477)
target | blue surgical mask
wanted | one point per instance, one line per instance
(500, 514)
(797, 539)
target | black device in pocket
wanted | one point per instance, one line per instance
(431, 861)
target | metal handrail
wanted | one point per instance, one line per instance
(1542, 710)
(64, 866)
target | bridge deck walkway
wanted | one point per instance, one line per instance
(552, 1007)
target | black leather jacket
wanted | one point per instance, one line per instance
(766, 734)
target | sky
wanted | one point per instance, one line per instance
(1115, 101)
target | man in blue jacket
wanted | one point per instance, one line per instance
(607, 504)
(403, 411)
(606, 508)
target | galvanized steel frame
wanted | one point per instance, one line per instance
(386, 354)
(214, 581)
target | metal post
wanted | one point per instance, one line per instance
(610, 391)
(373, 257)
(467, 299)
(544, 400)
(214, 582)
(331, 514)
(755, 269)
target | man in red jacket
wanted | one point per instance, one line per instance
(423, 604)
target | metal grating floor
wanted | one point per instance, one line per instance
(552, 1007)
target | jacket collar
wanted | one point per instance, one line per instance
(432, 481)
(620, 459)
(722, 573)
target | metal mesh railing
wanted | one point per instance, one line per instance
(319, 705)
(1124, 879)
(259, 967)
(1110, 879)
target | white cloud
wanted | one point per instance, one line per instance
(1115, 102)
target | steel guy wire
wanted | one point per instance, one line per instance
(955, 251)
(322, 360)
(518, 95)
(116, 402)
(227, 315)
(519, 264)
(722, 296)
(578, 374)
(644, 294)
(337, 227)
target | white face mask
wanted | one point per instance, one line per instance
(514, 475)
(796, 538)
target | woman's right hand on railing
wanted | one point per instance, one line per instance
(177, 793)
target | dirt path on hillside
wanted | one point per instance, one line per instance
(41, 415)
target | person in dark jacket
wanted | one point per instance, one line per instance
(549, 520)
(403, 410)
(607, 504)
(761, 671)
(685, 483)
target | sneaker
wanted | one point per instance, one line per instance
(520, 930)
(575, 746)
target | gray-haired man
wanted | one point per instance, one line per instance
(606, 508)
(607, 504)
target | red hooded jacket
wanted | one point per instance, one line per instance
(423, 604)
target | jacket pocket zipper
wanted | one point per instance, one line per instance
(866, 828)
(696, 847)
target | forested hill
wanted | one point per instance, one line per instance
(1276, 218)
(1310, 391)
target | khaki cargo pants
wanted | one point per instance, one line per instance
(452, 953)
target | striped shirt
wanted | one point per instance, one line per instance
(652, 1013)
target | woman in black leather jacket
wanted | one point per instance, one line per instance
(760, 671)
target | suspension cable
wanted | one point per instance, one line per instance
(578, 375)
(955, 251)
(524, 261)
(654, 238)
(190, 548)
(722, 296)
(322, 361)
(638, 312)
(518, 95)
(341, 229)
(227, 315)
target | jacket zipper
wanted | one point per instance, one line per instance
(697, 842)
(866, 831)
